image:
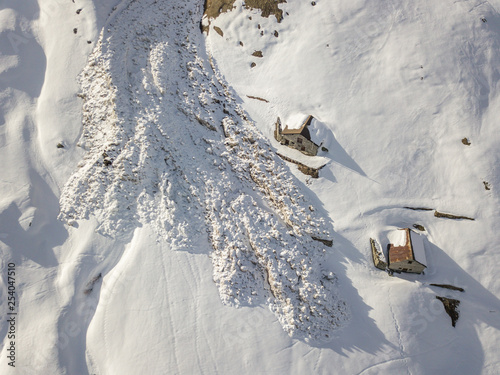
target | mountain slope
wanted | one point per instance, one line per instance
(399, 85)
(186, 245)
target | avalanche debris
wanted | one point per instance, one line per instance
(167, 144)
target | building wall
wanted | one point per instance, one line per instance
(406, 266)
(300, 143)
(277, 130)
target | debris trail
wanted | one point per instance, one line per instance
(168, 145)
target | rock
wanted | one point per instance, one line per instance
(218, 30)
(418, 208)
(447, 286)
(451, 308)
(257, 98)
(449, 216)
(419, 227)
(328, 243)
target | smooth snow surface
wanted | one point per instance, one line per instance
(167, 237)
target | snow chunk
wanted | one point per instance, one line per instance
(397, 237)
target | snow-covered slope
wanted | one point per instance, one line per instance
(172, 200)
(399, 84)
(168, 147)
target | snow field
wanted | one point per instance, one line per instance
(152, 102)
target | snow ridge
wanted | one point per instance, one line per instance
(167, 144)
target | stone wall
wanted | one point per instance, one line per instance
(313, 172)
(379, 263)
(301, 143)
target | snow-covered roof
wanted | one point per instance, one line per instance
(406, 245)
(417, 243)
(316, 129)
(397, 237)
(295, 121)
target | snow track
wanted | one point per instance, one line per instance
(168, 145)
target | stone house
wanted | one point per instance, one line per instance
(298, 138)
(406, 251)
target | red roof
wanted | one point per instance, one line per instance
(401, 253)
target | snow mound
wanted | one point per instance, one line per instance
(168, 145)
(318, 131)
(397, 237)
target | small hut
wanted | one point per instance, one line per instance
(406, 251)
(297, 137)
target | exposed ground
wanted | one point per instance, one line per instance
(268, 7)
(213, 8)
